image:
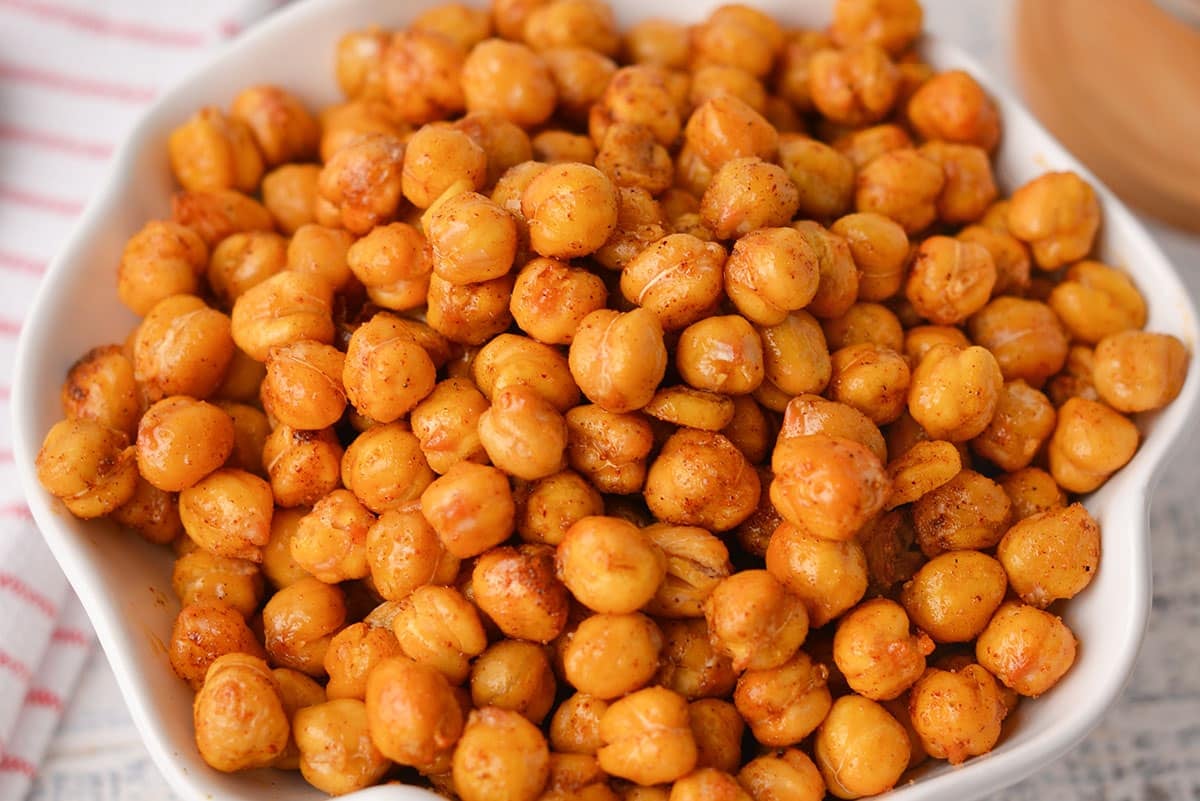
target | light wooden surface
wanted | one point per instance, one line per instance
(1118, 82)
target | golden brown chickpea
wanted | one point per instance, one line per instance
(102, 387)
(783, 705)
(215, 214)
(242, 261)
(708, 784)
(828, 485)
(954, 391)
(1023, 421)
(1136, 371)
(749, 429)
(640, 223)
(609, 656)
(921, 339)
(201, 577)
(283, 128)
(575, 726)
(855, 86)
(277, 564)
(1057, 214)
(609, 449)
(721, 354)
(864, 144)
(470, 314)
(739, 36)
(183, 347)
(954, 595)
(968, 512)
(647, 738)
(379, 351)
(572, 23)
(952, 107)
(696, 561)
(640, 95)
(548, 507)
(700, 478)
(678, 278)
(180, 440)
(754, 535)
(404, 553)
(1089, 444)
(1032, 490)
(413, 715)
(336, 752)
(353, 653)
(472, 239)
(297, 691)
(631, 157)
(969, 188)
(618, 360)
(879, 247)
(691, 408)
(150, 512)
(571, 209)
(385, 468)
(824, 177)
(204, 632)
(902, 185)
(746, 194)
(1095, 301)
(921, 469)
(950, 279)
(421, 75)
(558, 147)
(795, 356)
(470, 507)
(162, 259)
(837, 289)
(580, 75)
(250, 431)
(725, 128)
(504, 142)
(242, 379)
(791, 79)
(239, 716)
(876, 652)
(303, 466)
(342, 124)
(755, 621)
(509, 79)
(510, 360)
(1025, 336)
(892, 556)
(303, 386)
(394, 263)
(1076, 378)
(287, 307)
(1051, 555)
(715, 80)
(299, 623)
(865, 323)
(523, 434)
(437, 626)
(872, 379)
(828, 576)
(331, 541)
(690, 664)
(514, 675)
(440, 159)
(362, 181)
(500, 755)
(213, 151)
(891, 24)
(551, 298)
(771, 272)
(465, 25)
(633, 565)
(659, 42)
(517, 589)
(787, 775)
(1025, 648)
(957, 714)
(445, 427)
(860, 748)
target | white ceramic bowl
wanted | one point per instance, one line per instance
(125, 584)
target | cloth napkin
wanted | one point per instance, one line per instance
(75, 75)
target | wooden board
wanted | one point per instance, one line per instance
(1118, 82)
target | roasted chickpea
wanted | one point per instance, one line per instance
(738, 36)
(784, 704)
(1009, 254)
(362, 181)
(823, 176)
(902, 185)
(472, 238)
(500, 755)
(523, 434)
(1025, 648)
(202, 633)
(514, 675)
(715, 80)
(421, 71)
(150, 512)
(755, 621)
(277, 563)
(1076, 378)
(379, 350)
(860, 748)
(384, 467)
(336, 752)
(678, 278)
(811, 414)
(331, 541)
(726, 128)
(297, 691)
(872, 379)
(829, 485)
(299, 623)
(470, 314)
(950, 280)
(1051, 555)
(876, 652)
(558, 147)
(609, 449)
(548, 507)
(954, 595)
(1090, 443)
(721, 354)
(701, 478)
(691, 408)
(303, 466)
(580, 76)
(855, 86)
(180, 440)
(215, 214)
(891, 24)
(285, 308)
(609, 656)
(749, 429)
(183, 347)
(634, 566)
(353, 653)
(921, 469)
(1023, 421)
(957, 714)
(342, 124)
(970, 511)
(640, 95)
(647, 738)
(1032, 490)
(470, 507)
(239, 716)
(575, 726)
(771, 272)
(691, 666)
(746, 194)
(201, 577)
(404, 552)
(102, 387)
(571, 209)
(162, 259)
(795, 356)
(359, 60)
(618, 359)
(660, 42)
(952, 107)
(510, 361)
(954, 391)
(792, 70)
(969, 189)
(517, 588)
(213, 151)
(504, 142)
(509, 79)
(1095, 301)
(437, 626)
(244, 260)
(303, 386)
(465, 25)
(440, 159)
(551, 298)
(827, 575)
(879, 247)
(413, 715)
(1058, 215)
(787, 775)
(1025, 336)
(1136, 371)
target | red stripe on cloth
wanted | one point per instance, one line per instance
(14, 764)
(16, 510)
(55, 205)
(71, 637)
(8, 328)
(96, 23)
(14, 666)
(22, 264)
(28, 594)
(73, 84)
(53, 141)
(42, 697)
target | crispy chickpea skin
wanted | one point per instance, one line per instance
(950, 280)
(331, 541)
(696, 562)
(421, 72)
(299, 623)
(217, 213)
(1057, 214)
(501, 756)
(969, 511)
(876, 652)
(754, 620)
(902, 185)
(746, 194)
(678, 278)
(784, 704)
(548, 507)
(303, 466)
(518, 590)
(551, 298)
(385, 468)
(180, 440)
(827, 575)
(413, 715)
(860, 748)
(509, 79)
(700, 478)
(787, 775)
(872, 379)
(362, 181)
(957, 714)
(1137, 371)
(353, 653)
(228, 513)
(1025, 648)
(691, 666)
(213, 151)
(771, 272)
(239, 716)
(162, 259)
(609, 449)
(618, 360)
(954, 391)
(523, 434)
(440, 159)
(90, 467)
(647, 738)
(631, 566)
(1090, 443)
(336, 752)
(437, 626)
(182, 347)
(1025, 336)
(204, 632)
(828, 485)
(1023, 421)
(855, 86)
(575, 726)
(952, 107)
(608, 656)
(1095, 301)
(514, 675)
(954, 595)
(404, 553)
(879, 246)
(472, 238)
(285, 308)
(510, 360)
(470, 507)
(1051, 555)
(571, 209)
(379, 352)
(303, 386)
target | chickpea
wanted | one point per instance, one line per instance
(1089, 444)
(738, 36)
(242, 261)
(691, 408)
(824, 177)
(441, 159)
(183, 347)
(413, 715)
(150, 512)
(647, 738)
(551, 298)
(902, 185)
(890, 24)
(862, 145)
(715, 80)
(746, 194)
(251, 428)
(609, 656)
(580, 76)
(1032, 490)
(500, 755)
(678, 278)
(1051, 555)
(787, 775)
(970, 511)
(659, 42)
(1136, 371)
(609, 449)
(277, 563)
(548, 507)
(865, 323)
(892, 555)
(879, 247)
(1025, 336)
(437, 626)
(1057, 214)
(472, 238)
(1024, 420)
(509, 79)
(303, 466)
(827, 575)
(784, 704)
(299, 622)
(162, 259)
(701, 478)
(837, 288)
(342, 124)
(421, 75)
(213, 151)
(721, 354)
(634, 566)
(517, 588)
(1095, 301)
(204, 632)
(872, 379)
(920, 340)
(404, 553)
(516, 676)
(618, 359)
(379, 351)
(362, 181)
(353, 653)
(957, 714)
(640, 95)
(571, 209)
(952, 107)
(504, 143)
(691, 666)
(575, 726)
(201, 577)
(283, 128)
(1025, 648)
(969, 188)
(285, 308)
(558, 147)
(510, 360)
(470, 507)
(572, 23)
(795, 356)
(385, 468)
(359, 59)
(631, 157)
(709, 784)
(954, 391)
(101, 387)
(1076, 378)
(770, 272)
(465, 25)
(180, 440)
(303, 386)
(215, 214)
(792, 70)
(470, 314)
(1009, 254)
(297, 691)
(860, 748)
(725, 128)
(829, 485)
(950, 280)
(238, 715)
(331, 541)
(336, 753)
(523, 434)
(855, 86)
(954, 595)
(755, 621)
(921, 469)
(875, 651)
(749, 430)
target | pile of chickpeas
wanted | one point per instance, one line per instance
(674, 414)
